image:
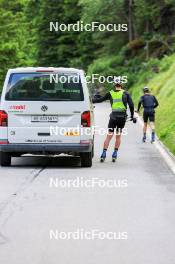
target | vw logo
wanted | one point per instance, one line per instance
(44, 108)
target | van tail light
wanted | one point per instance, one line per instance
(3, 119)
(5, 142)
(86, 119)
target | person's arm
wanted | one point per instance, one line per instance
(155, 102)
(131, 104)
(102, 99)
(140, 104)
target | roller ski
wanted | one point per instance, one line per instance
(103, 156)
(114, 156)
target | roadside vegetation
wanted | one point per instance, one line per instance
(162, 85)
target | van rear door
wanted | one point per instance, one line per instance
(42, 109)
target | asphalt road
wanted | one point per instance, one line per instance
(144, 208)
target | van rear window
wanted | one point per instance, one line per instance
(44, 87)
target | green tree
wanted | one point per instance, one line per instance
(58, 48)
(12, 37)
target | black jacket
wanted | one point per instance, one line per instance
(148, 101)
(127, 100)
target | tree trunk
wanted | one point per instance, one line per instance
(130, 18)
(147, 42)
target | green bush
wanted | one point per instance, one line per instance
(136, 44)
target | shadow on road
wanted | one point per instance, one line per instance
(38, 161)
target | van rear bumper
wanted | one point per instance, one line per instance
(53, 148)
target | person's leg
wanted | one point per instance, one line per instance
(117, 141)
(117, 145)
(107, 140)
(144, 131)
(145, 128)
(152, 125)
(111, 127)
(106, 145)
(109, 136)
(145, 118)
(120, 125)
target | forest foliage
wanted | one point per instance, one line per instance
(25, 38)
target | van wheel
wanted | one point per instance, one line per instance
(93, 151)
(86, 159)
(5, 159)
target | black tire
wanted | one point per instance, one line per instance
(5, 159)
(93, 148)
(86, 159)
(93, 151)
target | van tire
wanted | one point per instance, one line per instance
(5, 159)
(86, 159)
(93, 151)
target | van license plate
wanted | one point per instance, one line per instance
(44, 118)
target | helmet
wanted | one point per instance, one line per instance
(146, 89)
(117, 82)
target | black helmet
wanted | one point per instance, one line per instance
(146, 89)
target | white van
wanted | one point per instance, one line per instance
(46, 111)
